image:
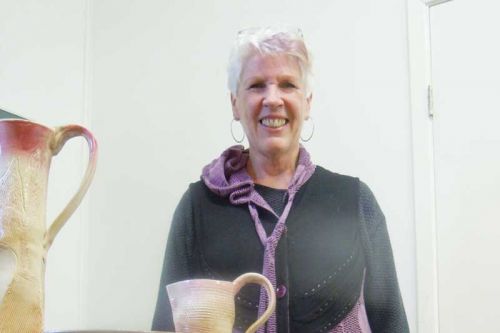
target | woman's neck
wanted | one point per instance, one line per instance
(274, 171)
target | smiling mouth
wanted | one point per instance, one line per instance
(274, 122)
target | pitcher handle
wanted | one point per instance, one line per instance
(61, 135)
(264, 282)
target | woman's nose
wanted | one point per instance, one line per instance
(272, 97)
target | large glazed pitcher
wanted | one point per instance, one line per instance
(26, 150)
(207, 306)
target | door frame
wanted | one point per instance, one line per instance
(422, 113)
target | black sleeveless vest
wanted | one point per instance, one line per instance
(319, 260)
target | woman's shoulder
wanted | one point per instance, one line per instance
(369, 208)
(195, 188)
(323, 174)
(199, 196)
(327, 181)
(191, 195)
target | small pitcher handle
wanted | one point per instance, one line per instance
(61, 135)
(264, 282)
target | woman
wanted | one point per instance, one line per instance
(319, 237)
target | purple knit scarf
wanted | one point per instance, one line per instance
(227, 176)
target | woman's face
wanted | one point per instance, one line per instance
(271, 103)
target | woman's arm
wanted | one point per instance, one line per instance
(384, 304)
(177, 261)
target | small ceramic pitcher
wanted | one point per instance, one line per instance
(207, 306)
(26, 150)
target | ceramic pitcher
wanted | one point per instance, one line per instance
(207, 306)
(26, 150)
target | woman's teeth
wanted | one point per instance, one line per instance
(273, 122)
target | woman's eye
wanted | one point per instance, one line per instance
(288, 85)
(257, 85)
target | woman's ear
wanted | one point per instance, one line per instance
(308, 106)
(236, 113)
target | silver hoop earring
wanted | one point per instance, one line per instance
(308, 120)
(232, 132)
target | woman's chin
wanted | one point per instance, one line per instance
(278, 146)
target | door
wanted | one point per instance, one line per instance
(465, 69)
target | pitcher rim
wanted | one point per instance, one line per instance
(26, 121)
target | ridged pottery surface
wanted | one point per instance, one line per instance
(26, 150)
(207, 306)
(204, 307)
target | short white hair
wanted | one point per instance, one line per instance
(272, 40)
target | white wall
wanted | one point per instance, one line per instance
(159, 107)
(42, 70)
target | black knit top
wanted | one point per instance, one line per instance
(336, 233)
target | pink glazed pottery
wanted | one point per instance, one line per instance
(207, 306)
(26, 150)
